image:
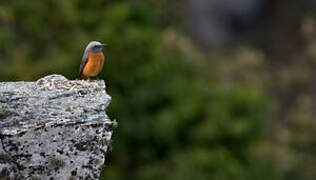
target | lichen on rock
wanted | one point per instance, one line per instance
(55, 128)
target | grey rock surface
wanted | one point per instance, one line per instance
(54, 128)
(8, 170)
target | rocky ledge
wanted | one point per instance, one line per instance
(54, 129)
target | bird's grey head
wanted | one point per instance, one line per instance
(94, 46)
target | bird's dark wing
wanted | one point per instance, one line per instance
(84, 61)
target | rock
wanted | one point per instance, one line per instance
(54, 128)
(8, 170)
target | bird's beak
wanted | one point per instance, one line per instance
(101, 45)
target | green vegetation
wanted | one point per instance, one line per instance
(182, 113)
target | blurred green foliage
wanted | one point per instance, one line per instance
(182, 113)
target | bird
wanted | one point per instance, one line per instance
(92, 60)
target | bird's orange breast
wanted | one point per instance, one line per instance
(94, 64)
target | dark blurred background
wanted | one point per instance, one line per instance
(202, 89)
